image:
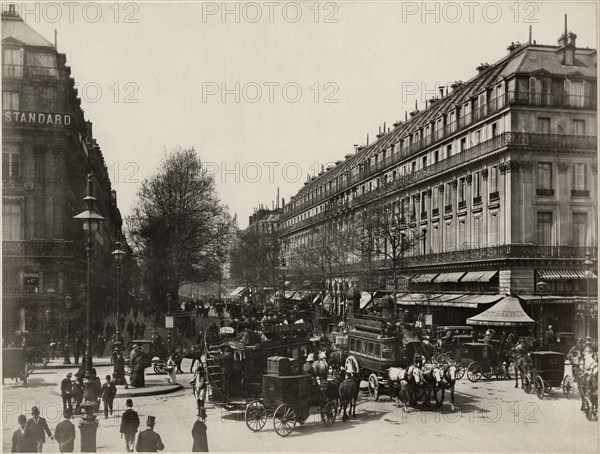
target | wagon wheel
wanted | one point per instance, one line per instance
(539, 387)
(159, 367)
(256, 415)
(373, 387)
(488, 373)
(460, 371)
(474, 371)
(29, 368)
(37, 358)
(328, 413)
(567, 386)
(284, 420)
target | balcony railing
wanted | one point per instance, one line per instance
(435, 212)
(423, 214)
(514, 139)
(520, 251)
(448, 209)
(551, 100)
(477, 200)
(19, 290)
(461, 205)
(494, 195)
(20, 71)
(35, 248)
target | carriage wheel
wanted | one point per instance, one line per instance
(159, 367)
(488, 373)
(474, 371)
(460, 371)
(256, 415)
(567, 386)
(328, 413)
(539, 387)
(37, 358)
(591, 411)
(373, 387)
(29, 368)
(284, 420)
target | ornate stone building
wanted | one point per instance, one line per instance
(47, 150)
(497, 175)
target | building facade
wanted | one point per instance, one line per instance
(497, 177)
(47, 151)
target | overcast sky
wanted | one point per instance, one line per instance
(329, 73)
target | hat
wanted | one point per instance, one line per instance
(22, 418)
(35, 410)
(129, 403)
(310, 357)
(151, 420)
(67, 414)
(69, 374)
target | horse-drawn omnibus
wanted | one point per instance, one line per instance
(232, 388)
(376, 349)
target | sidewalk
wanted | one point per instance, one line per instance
(58, 363)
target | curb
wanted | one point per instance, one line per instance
(143, 392)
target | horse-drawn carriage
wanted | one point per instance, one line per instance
(233, 384)
(376, 351)
(547, 371)
(484, 360)
(289, 400)
(14, 364)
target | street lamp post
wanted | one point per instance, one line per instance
(67, 353)
(169, 334)
(541, 286)
(588, 274)
(118, 255)
(89, 423)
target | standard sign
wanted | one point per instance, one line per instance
(169, 321)
(36, 118)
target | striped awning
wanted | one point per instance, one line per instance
(424, 277)
(507, 312)
(237, 292)
(478, 276)
(449, 277)
(558, 275)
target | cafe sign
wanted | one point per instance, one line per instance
(35, 118)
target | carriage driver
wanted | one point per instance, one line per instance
(590, 364)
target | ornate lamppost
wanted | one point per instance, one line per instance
(67, 353)
(541, 287)
(169, 322)
(89, 423)
(118, 254)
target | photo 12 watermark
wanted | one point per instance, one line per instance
(469, 12)
(270, 12)
(71, 12)
(270, 92)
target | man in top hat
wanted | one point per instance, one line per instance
(130, 422)
(199, 433)
(148, 440)
(18, 444)
(35, 428)
(65, 433)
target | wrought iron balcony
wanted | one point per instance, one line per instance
(580, 193)
(544, 191)
(448, 209)
(461, 205)
(494, 195)
(435, 212)
(477, 200)
(21, 71)
(509, 251)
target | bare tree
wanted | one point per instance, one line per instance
(178, 227)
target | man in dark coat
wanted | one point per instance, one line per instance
(109, 390)
(130, 422)
(199, 434)
(119, 371)
(148, 440)
(35, 430)
(18, 438)
(130, 329)
(65, 391)
(77, 345)
(65, 433)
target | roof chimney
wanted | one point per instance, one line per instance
(562, 41)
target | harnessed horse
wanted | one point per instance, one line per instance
(448, 382)
(406, 381)
(432, 381)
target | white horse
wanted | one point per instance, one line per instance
(407, 380)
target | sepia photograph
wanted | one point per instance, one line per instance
(300, 226)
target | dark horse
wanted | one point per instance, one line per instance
(348, 391)
(521, 360)
(337, 359)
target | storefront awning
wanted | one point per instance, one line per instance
(424, 277)
(478, 276)
(552, 299)
(237, 292)
(449, 277)
(558, 275)
(506, 312)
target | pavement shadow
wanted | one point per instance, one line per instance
(32, 382)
